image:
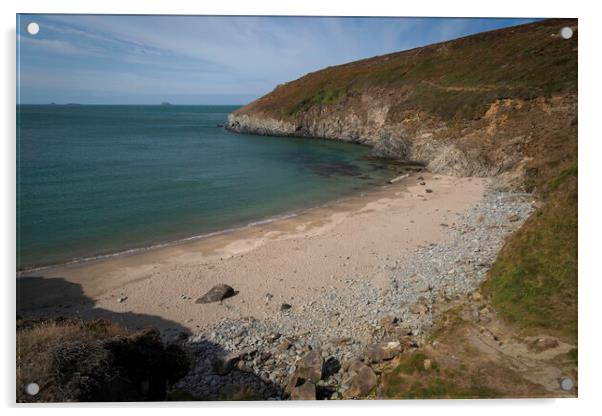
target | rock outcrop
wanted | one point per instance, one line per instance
(476, 106)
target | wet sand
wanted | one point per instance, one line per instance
(289, 260)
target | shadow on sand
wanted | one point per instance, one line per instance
(206, 379)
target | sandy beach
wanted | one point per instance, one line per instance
(285, 261)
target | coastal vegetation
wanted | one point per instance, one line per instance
(74, 360)
(454, 80)
(501, 105)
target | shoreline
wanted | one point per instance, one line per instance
(153, 283)
(158, 246)
(350, 272)
(366, 192)
(363, 188)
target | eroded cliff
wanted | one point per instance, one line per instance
(484, 105)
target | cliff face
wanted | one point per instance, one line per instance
(483, 105)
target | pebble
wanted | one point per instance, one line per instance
(472, 241)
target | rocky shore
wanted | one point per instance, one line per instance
(331, 347)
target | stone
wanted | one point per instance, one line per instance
(383, 351)
(422, 183)
(244, 367)
(360, 380)
(543, 344)
(428, 191)
(122, 299)
(273, 337)
(223, 364)
(427, 364)
(217, 294)
(514, 218)
(310, 366)
(306, 391)
(285, 307)
(476, 296)
(284, 346)
(331, 367)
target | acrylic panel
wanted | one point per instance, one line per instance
(295, 208)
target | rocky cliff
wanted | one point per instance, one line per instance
(483, 105)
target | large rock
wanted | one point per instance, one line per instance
(383, 351)
(306, 391)
(360, 379)
(308, 368)
(217, 294)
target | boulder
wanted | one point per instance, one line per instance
(359, 379)
(217, 294)
(331, 366)
(306, 391)
(310, 366)
(383, 351)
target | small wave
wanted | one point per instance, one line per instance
(166, 244)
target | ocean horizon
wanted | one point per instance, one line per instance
(96, 179)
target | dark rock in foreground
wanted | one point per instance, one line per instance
(95, 361)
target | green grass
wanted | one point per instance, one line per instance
(411, 364)
(410, 380)
(533, 282)
(521, 62)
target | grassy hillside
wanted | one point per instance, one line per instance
(533, 282)
(452, 80)
(501, 103)
(507, 99)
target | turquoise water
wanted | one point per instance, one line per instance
(95, 180)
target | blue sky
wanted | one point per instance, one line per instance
(111, 59)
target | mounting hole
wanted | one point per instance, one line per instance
(566, 32)
(33, 28)
(566, 384)
(32, 389)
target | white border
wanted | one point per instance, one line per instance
(589, 152)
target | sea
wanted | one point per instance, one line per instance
(96, 181)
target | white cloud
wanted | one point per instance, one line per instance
(52, 45)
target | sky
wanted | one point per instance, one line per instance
(125, 59)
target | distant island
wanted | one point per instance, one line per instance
(71, 104)
(166, 104)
